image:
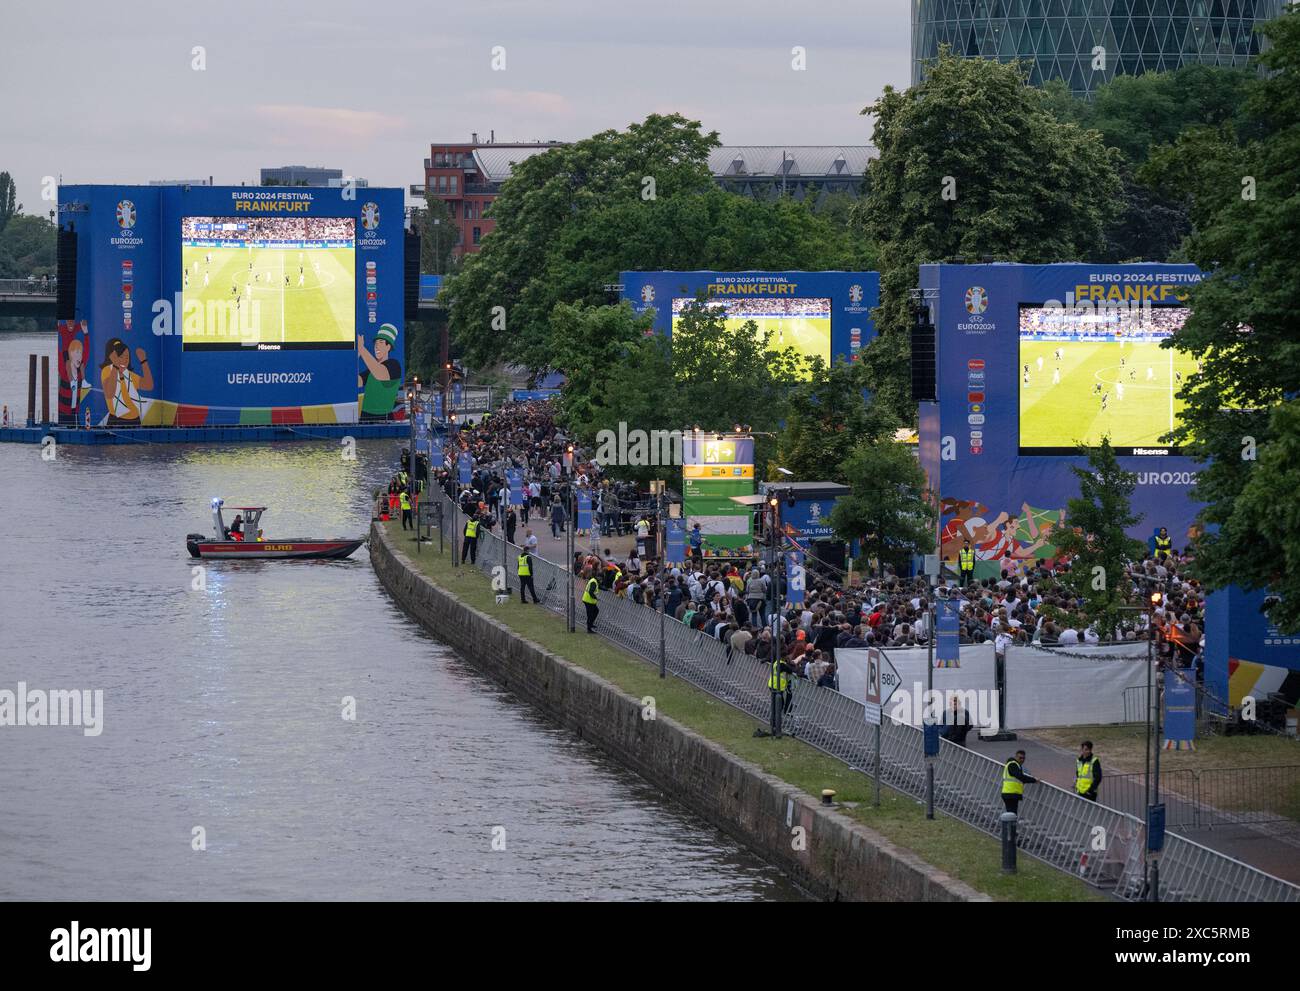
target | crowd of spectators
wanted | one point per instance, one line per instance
(732, 601)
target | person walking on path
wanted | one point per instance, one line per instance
(557, 518)
(1087, 772)
(511, 523)
(404, 499)
(1014, 779)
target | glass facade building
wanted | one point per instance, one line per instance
(1057, 38)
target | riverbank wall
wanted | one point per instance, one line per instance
(823, 850)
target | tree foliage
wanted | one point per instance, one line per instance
(9, 205)
(438, 232)
(1095, 535)
(705, 375)
(886, 510)
(570, 220)
(1243, 188)
(825, 417)
(973, 164)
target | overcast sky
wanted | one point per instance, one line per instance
(97, 91)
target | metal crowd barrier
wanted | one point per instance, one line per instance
(1098, 844)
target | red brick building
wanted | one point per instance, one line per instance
(467, 177)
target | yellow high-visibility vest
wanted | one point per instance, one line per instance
(777, 681)
(967, 558)
(1164, 545)
(589, 593)
(1083, 775)
(471, 528)
(524, 570)
(405, 501)
(1010, 785)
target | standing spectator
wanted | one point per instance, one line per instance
(1087, 772)
(558, 517)
(591, 600)
(958, 723)
(469, 548)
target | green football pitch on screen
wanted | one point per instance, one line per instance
(1125, 391)
(305, 296)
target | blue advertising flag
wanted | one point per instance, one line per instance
(437, 406)
(436, 456)
(794, 575)
(584, 509)
(1180, 710)
(515, 480)
(947, 642)
(676, 534)
(466, 468)
(457, 396)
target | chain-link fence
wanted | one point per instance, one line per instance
(1102, 846)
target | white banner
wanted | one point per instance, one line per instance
(1044, 688)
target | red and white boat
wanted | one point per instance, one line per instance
(244, 545)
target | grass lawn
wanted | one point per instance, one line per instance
(1121, 749)
(959, 850)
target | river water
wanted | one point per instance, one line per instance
(223, 709)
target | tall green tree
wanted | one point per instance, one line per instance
(972, 164)
(825, 419)
(705, 375)
(1095, 535)
(8, 199)
(886, 511)
(570, 220)
(438, 233)
(1238, 417)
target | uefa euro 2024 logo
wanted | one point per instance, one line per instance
(647, 294)
(855, 294)
(125, 215)
(370, 216)
(977, 300)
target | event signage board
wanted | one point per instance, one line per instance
(822, 313)
(1031, 361)
(221, 305)
(675, 531)
(947, 640)
(795, 577)
(1180, 710)
(882, 682)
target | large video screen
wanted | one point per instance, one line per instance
(1092, 372)
(271, 283)
(802, 323)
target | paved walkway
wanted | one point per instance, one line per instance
(1271, 847)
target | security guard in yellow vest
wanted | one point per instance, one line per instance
(1014, 779)
(526, 576)
(779, 687)
(404, 500)
(1164, 546)
(966, 561)
(470, 547)
(591, 601)
(1087, 772)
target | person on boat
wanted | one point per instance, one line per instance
(260, 538)
(237, 528)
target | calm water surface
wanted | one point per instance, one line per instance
(222, 709)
